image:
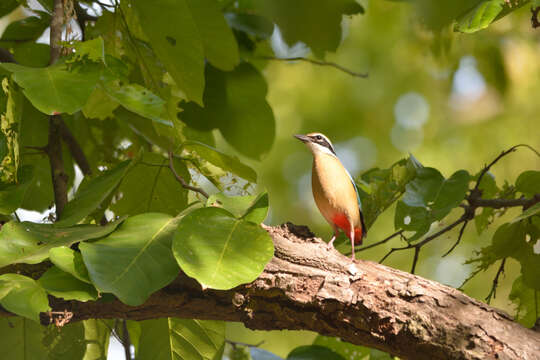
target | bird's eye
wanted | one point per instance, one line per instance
(318, 137)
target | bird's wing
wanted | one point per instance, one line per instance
(364, 230)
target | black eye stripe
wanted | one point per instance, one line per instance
(318, 139)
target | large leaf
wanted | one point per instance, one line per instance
(7, 6)
(27, 298)
(317, 23)
(136, 98)
(220, 251)
(151, 187)
(134, 261)
(65, 342)
(96, 334)
(28, 242)
(27, 29)
(313, 352)
(182, 34)
(221, 160)
(64, 285)
(56, 89)
(235, 103)
(12, 195)
(253, 208)
(181, 339)
(69, 261)
(21, 339)
(91, 194)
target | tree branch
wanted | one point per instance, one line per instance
(75, 149)
(183, 182)
(319, 63)
(59, 176)
(307, 286)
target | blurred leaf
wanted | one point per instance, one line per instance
(69, 261)
(134, 261)
(528, 306)
(261, 354)
(21, 339)
(30, 243)
(93, 49)
(252, 24)
(10, 129)
(451, 194)
(235, 103)
(219, 251)
(64, 285)
(313, 352)
(532, 211)
(484, 219)
(27, 298)
(149, 188)
(221, 160)
(412, 219)
(96, 335)
(528, 183)
(488, 185)
(180, 339)
(239, 353)
(12, 195)
(252, 208)
(32, 54)
(7, 6)
(480, 17)
(92, 193)
(182, 34)
(27, 29)
(347, 350)
(99, 105)
(66, 342)
(315, 23)
(423, 189)
(56, 89)
(136, 98)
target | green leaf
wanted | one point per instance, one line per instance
(91, 194)
(64, 285)
(528, 183)
(99, 105)
(424, 188)
(32, 54)
(65, 342)
(488, 186)
(528, 306)
(27, 298)
(96, 334)
(182, 34)
(148, 188)
(451, 194)
(136, 98)
(252, 24)
(56, 89)
(347, 350)
(180, 339)
(27, 29)
(134, 261)
(7, 6)
(313, 352)
(220, 251)
(21, 339)
(69, 261)
(315, 23)
(484, 219)
(235, 103)
(10, 129)
(411, 218)
(221, 160)
(252, 208)
(30, 243)
(532, 211)
(12, 195)
(480, 17)
(93, 50)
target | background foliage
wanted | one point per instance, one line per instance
(188, 92)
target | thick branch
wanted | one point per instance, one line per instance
(75, 149)
(306, 286)
(59, 176)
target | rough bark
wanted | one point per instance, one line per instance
(307, 286)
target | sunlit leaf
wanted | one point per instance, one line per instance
(180, 339)
(69, 261)
(220, 251)
(253, 208)
(64, 285)
(27, 298)
(136, 98)
(480, 17)
(134, 261)
(28, 242)
(96, 334)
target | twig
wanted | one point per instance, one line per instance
(475, 201)
(320, 63)
(461, 231)
(493, 292)
(181, 180)
(75, 149)
(126, 343)
(239, 343)
(385, 240)
(534, 17)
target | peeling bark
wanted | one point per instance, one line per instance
(308, 287)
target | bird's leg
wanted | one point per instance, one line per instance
(351, 236)
(331, 243)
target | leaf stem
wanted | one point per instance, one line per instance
(319, 63)
(181, 180)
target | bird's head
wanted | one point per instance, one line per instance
(317, 143)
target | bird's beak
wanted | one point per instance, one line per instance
(302, 138)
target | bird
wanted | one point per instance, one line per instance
(334, 190)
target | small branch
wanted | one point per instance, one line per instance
(461, 231)
(475, 201)
(493, 292)
(399, 232)
(56, 30)
(75, 148)
(126, 342)
(59, 176)
(181, 180)
(319, 63)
